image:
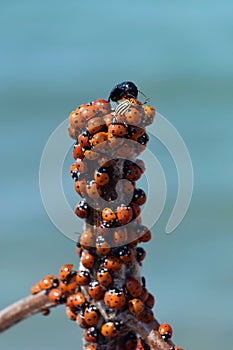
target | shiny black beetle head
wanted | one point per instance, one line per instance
(126, 89)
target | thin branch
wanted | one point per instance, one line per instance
(23, 309)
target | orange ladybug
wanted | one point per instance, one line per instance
(165, 331)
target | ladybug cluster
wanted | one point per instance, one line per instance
(108, 283)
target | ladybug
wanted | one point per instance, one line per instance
(144, 295)
(108, 119)
(125, 89)
(165, 331)
(90, 347)
(91, 315)
(95, 125)
(80, 187)
(120, 236)
(79, 250)
(136, 306)
(69, 285)
(149, 115)
(84, 139)
(150, 301)
(87, 239)
(78, 300)
(118, 130)
(102, 246)
(88, 260)
(142, 345)
(130, 341)
(81, 320)
(48, 281)
(35, 288)
(108, 214)
(82, 209)
(92, 334)
(133, 286)
(126, 150)
(72, 314)
(78, 151)
(83, 277)
(125, 254)
(124, 214)
(88, 111)
(90, 154)
(139, 196)
(103, 105)
(56, 296)
(76, 120)
(128, 186)
(115, 298)
(65, 270)
(101, 176)
(132, 172)
(81, 165)
(112, 263)
(136, 209)
(143, 140)
(140, 254)
(98, 139)
(135, 132)
(143, 233)
(93, 190)
(146, 316)
(95, 290)
(176, 348)
(45, 312)
(110, 329)
(104, 277)
(134, 115)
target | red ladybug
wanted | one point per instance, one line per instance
(88, 260)
(81, 166)
(102, 246)
(130, 341)
(108, 214)
(115, 298)
(149, 115)
(101, 177)
(125, 254)
(49, 281)
(104, 277)
(98, 140)
(45, 312)
(95, 290)
(146, 316)
(134, 115)
(81, 320)
(87, 239)
(176, 348)
(92, 334)
(165, 331)
(120, 236)
(78, 151)
(136, 209)
(136, 306)
(140, 254)
(133, 286)
(69, 285)
(103, 105)
(118, 130)
(132, 172)
(78, 300)
(83, 277)
(139, 196)
(144, 294)
(72, 314)
(90, 154)
(56, 296)
(35, 288)
(95, 125)
(90, 347)
(83, 139)
(110, 329)
(82, 209)
(150, 301)
(65, 270)
(112, 263)
(142, 345)
(93, 190)
(124, 214)
(80, 187)
(91, 315)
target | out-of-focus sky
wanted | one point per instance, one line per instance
(57, 55)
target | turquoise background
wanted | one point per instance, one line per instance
(57, 55)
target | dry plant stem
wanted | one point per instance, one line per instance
(33, 304)
(23, 309)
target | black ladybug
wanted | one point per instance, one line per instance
(125, 89)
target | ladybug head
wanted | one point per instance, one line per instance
(124, 89)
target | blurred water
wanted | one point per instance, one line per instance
(55, 56)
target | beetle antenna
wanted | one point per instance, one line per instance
(147, 99)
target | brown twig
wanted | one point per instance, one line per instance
(23, 309)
